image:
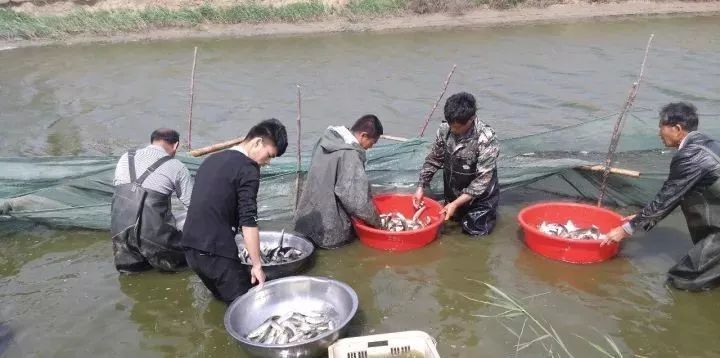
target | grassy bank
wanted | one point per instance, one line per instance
(19, 25)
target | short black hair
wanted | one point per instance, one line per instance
(460, 108)
(369, 124)
(270, 130)
(168, 135)
(683, 114)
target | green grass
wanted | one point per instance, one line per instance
(18, 25)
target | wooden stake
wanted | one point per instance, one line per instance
(216, 147)
(619, 171)
(397, 139)
(297, 169)
(427, 120)
(192, 98)
(619, 124)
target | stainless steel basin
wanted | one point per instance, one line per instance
(300, 294)
(272, 239)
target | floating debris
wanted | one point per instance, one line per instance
(273, 255)
(395, 221)
(570, 231)
(292, 327)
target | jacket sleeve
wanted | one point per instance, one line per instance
(488, 152)
(352, 189)
(433, 161)
(685, 172)
(247, 185)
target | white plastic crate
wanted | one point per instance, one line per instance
(408, 344)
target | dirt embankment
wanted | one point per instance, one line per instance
(404, 20)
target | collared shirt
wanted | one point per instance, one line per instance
(170, 177)
(684, 140)
(240, 149)
(345, 133)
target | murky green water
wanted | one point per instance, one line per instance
(60, 294)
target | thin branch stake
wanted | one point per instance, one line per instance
(297, 170)
(620, 123)
(192, 98)
(427, 120)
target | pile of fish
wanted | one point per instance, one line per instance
(570, 231)
(292, 327)
(395, 221)
(273, 255)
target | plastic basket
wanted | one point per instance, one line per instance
(415, 344)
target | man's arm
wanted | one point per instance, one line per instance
(248, 184)
(121, 170)
(433, 162)
(684, 174)
(184, 186)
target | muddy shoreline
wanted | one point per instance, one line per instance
(473, 18)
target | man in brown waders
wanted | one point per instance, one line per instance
(143, 229)
(694, 186)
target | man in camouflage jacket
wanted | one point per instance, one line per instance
(467, 151)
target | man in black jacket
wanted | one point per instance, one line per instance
(693, 185)
(224, 203)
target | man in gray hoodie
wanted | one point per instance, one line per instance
(337, 186)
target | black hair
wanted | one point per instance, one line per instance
(170, 136)
(680, 113)
(272, 131)
(460, 108)
(369, 124)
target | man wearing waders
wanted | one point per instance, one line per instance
(693, 185)
(143, 229)
(224, 204)
(466, 150)
(337, 186)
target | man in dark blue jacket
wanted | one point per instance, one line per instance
(223, 204)
(694, 186)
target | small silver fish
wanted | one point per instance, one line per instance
(291, 327)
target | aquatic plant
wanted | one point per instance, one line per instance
(542, 330)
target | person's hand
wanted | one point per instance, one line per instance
(418, 197)
(449, 210)
(615, 235)
(257, 275)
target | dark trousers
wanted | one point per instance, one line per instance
(226, 278)
(479, 216)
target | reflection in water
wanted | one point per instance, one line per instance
(64, 138)
(177, 315)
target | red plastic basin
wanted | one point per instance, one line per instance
(403, 240)
(573, 251)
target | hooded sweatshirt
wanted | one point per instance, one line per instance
(336, 189)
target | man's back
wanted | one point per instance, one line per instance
(170, 177)
(226, 186)
(336, 188)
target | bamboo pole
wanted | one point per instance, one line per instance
(192, 98)
(216, 147)
(297, 169)
(619, 171)
(397, 139)
(620, 122)
(427, 120)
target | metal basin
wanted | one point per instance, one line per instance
(272, 239)
(298, 293)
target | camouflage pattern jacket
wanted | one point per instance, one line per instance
(469, 161)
